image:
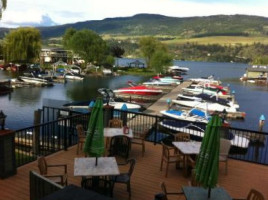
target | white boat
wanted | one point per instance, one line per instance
(156, 82)
(199, 89)
(175, 67)
(73, 76)
(35, 80)
(209, 80)
(195, 130)
(107, 72)
(193, 115)
(208, 98)
(208, 106)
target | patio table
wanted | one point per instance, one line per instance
(194, 193)
(187, 149)
(86, 166)
(111, 132)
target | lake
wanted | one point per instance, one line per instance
(19, 106)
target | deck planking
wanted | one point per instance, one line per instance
(242, 176)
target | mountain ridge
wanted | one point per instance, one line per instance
(155, 24)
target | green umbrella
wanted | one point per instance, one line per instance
(94, 144)
(207, 164)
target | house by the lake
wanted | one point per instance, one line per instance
(256, 73)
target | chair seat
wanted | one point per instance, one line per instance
(122, 178)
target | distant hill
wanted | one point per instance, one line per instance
(152, 24)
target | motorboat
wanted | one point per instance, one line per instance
(108, 99)
(209, 80)
(73, 76)
(5, 87)
(178, 68)
(31, 79)
(193, 115)
(107, 71)
(208, 106)
(207, 98)
(168, 79)
(199, 89)
(156, 82)
(198, 130)
(138, 90)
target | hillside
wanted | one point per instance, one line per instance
(151, 24)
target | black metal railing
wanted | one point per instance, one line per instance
(57, 132)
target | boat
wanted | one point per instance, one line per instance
(198, 129)
(194, 115)
(73, 76)
(156, 82)
(208, 106)
(199, 89)
(31, 79)
(178, 68)
(207, 98)
(107, 71)
(168, 79)
(209, 80)
(138, 90)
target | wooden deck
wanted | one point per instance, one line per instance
(242, 176)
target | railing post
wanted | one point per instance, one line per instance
(36, 132)
(155, 129)
(65, 134)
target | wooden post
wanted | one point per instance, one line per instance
(36, 132)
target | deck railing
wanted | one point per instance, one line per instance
(57, 132)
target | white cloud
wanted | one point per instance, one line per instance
(69, 11)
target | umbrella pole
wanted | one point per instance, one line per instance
(209, 191)
(96, 161)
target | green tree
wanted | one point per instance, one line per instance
(67, 36)
(148, 46)
(117, 51)
(89, 46)
(3, 6)
(263, 60)
(155, 53)
(23, 45)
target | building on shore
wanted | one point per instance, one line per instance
(256, 73)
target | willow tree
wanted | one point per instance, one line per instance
(2, 7)
(155, 53)
(22, 45)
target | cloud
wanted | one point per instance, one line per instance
(42, 12)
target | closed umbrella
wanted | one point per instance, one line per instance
(94, 144)
(207, 164)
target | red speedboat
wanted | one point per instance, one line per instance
(138, 90)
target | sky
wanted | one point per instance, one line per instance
(56, 12)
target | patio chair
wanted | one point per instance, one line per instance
(182, 137)
(168, 157)
(57, 178)
(225, 146)
(125, 177)
(120, 146)
(81, 134)
(139, 139)
(166, 194)
(99, 185)
(115, 123)
(253, 195)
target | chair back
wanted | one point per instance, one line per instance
(225, 146)
(182, 137)
(132, 163)
(115, 123)
(120, 146)
(80, 131)
(255, 195)
(99, 185)
(165, 151)
(42, 165)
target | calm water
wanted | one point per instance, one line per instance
(20, 105)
